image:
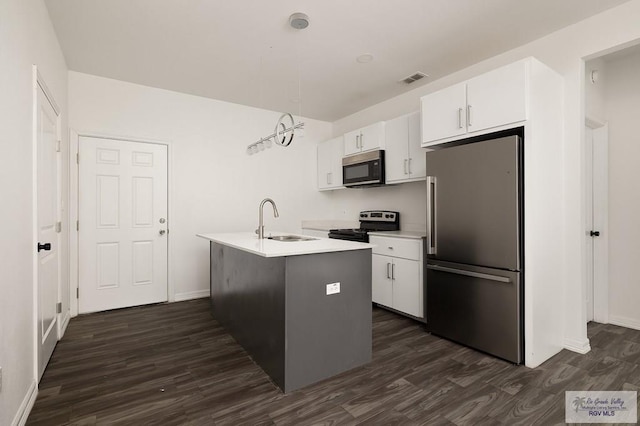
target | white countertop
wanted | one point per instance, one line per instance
(249, 242)
(399, 234)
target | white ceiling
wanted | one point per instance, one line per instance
(244, 51)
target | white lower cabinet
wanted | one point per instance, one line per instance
(397, 282)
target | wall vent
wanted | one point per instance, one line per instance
(413, 77)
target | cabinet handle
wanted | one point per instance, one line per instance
(393, 271)
(361, 140)
(409, 165)
(405, 167)
(459, 118)
(329, 178)
(388, 274)
(469, 115)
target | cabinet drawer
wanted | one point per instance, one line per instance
(396, 247)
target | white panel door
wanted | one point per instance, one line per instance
(123, 224)
(382, 286)
(48, 208)
(597, 183)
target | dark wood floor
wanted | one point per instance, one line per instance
(172, 364)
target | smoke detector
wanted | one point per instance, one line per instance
(299, 21)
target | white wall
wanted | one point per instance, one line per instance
(622, 98)
(563, 51)
(408, 198)
(26, 38)
(214, 185)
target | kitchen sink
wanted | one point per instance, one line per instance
(291, 238)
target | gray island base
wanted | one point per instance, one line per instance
(278, 310)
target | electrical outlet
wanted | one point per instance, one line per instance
(333, 288)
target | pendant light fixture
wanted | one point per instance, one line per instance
(284, 131)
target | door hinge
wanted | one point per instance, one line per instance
(58, 227)
(77, 225)
(59, 308)
(77, 292)
(58, 142)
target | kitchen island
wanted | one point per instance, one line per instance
(301, 309)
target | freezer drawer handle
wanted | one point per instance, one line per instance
(470, 274)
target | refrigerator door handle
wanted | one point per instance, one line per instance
(470, 273)
(431, 215)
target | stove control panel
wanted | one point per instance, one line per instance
(379, 216)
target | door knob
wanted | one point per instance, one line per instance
(162, 232)
(594, 233)
(45, 247)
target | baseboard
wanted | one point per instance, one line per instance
(624, 322)
(65, 323)
(27, 404)
(188, 295)
(579, 346)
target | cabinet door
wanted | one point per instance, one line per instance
(416, 161)
(372, 137)
(407, 287)
(330, 164)
(337, 152)
(352, 142)
(382, 286)
(497, 98)
(443, 113)
(324, 164)
(396, 149)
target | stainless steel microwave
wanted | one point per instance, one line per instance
(366, 169)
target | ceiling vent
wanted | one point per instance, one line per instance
(413, 77)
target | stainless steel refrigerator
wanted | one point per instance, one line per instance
(474, 276)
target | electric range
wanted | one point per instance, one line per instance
(370, 220)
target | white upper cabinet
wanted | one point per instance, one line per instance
(330, 164)
(417, 160)
(365, 139)
(489, 101)
(497, 98)
(444, 113)
(404, 158)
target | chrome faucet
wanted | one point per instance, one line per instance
(260, 230)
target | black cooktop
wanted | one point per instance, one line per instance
(370, 220)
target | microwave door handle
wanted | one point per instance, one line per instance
(431, 215)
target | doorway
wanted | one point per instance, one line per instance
(48, 221)
(122, 224)
(597, 182)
